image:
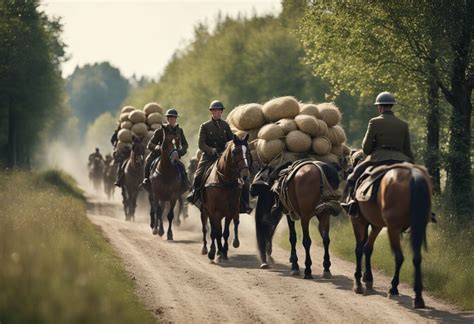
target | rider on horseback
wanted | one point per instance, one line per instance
(95, 155)
(213, 137)
(387, 141)
(155, 144)
(120, 156)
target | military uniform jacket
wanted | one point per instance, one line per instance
(214, 134)
(387, 138)
(157, 138)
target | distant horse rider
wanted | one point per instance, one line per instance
(387, 141)
(213, 137)
(95, 155)
(154, 145)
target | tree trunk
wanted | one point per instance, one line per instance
(12, 138)
(432, 158)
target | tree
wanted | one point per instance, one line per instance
(30, 77)
(379, 45)
(95, 89)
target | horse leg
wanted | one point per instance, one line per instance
(418, 287)
(204, 232)
(236, 242)
(169, 234)
(368, 248)
(220, 247)
(360, 231)
(163, 211)
(152, 211)
(295, 269)
(225, 234)
(212, 251)
(323, 228)
(307, 247)
(394, 237)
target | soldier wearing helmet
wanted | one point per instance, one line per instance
(155, 143)
(213, 137)
(387, 141)
(94, 155)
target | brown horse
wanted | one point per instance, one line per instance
(306, 191)
(133, 176)
(166, 186)
(221, 196)
(403, 201)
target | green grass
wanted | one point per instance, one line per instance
(56, 267)
(447, 265)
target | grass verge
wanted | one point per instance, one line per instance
(56, 267)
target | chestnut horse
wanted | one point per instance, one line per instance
(166, 186)
(307, 191)
(133, 176)
(403, 201)
(221, 196)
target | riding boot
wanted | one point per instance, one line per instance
(120, 175)
(245, 200)
(146, 184)
(349, 204)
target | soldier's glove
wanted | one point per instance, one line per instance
(157, 149)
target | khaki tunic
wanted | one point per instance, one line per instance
(387, 138)
(214, 134)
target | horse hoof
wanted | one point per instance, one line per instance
(308, 276)
(211, 255)
(393, 292)
(155, 231)
(169, 237)
(161, 232)
(327, 275)
(264, 266)
(369, 285)
(236, 243)
(358, 289)
(204, 251)
(418, 303)
(295, 273)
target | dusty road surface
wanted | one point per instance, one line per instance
(179, 285)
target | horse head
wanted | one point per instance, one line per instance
(241, 156)
(137, 152)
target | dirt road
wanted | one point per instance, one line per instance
(180, 285)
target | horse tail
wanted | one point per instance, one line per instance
(420, 205)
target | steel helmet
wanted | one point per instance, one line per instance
(172, 113)
(216, 104)
(385, 98)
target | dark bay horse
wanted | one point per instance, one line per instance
(110, 173)
(403, 201)
(133, 176)
(307, 191)
(166, 186)
(221, 196)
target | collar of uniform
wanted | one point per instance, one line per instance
(387, 112)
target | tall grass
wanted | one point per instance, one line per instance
(55, 267)
(447, 265)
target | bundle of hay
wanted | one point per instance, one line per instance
(154, 118)
(127, 109)
(271, 132)
(297, 141)
(123, 117)
(122, 146)
(336, 135)
(310, 109)
(321, 145)
(287, 125)
(310, 125)
(280, 108)
(140, 129)
(125, 135)
(249, 116)
(329, 113)
(126, 124)
(152, 107)
(155, 126)
(269, 150)
(137, 116)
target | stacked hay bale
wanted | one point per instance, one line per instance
(290, 130)
(139, 123)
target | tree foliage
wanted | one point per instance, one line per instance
(95, 89)
(31, 88)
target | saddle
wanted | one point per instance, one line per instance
(367, 186)
(328, 194)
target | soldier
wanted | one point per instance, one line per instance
(213, 137)
(387, 141)
(120, 156)
(94, 155)
(155, 144)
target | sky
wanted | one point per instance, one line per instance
(139, 37)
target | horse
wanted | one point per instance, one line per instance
(110, 173)
(166, 186)
(133, 176)
(96, 169)
(221, 196)
(310, 191)
(403, 201)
